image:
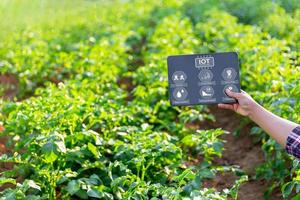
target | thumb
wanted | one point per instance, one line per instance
(232, 94)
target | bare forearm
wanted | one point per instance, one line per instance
(277, 127)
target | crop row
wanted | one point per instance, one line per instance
(101, 124)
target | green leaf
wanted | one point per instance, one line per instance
(50, 157)
(287, 189)
(73, 187)
(49, 150)
(48, 147)
(61, 146)
(255, 130)
(10, 195)
(93, 149)
(94, 180)
(218, 146)
(94, 193)
(82, 194)
(206, 173)
(7, 180)
(186, 174)
(297, 197)
(32, 184)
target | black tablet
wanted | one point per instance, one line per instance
(203, 78)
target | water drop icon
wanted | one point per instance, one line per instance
(179, 95)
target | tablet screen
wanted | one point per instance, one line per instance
(203, 78)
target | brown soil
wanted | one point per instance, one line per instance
(126, 84)
(3, 150)
(4, 166)
(243, 151)
(10, 82)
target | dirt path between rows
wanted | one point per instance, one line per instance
(242, 151)
(10, 83)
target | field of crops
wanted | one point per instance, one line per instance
(85, 113)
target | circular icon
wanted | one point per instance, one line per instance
(231, 87)
(229, 74)
(206, 92)
(205, 75)
(180, 93)
(179, 77)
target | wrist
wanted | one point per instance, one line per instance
(255, 109)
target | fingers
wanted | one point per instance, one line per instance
(235, 106)
(226, 106)
(233, 94)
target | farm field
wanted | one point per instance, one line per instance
(84, 108)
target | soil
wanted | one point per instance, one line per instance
(10, 82)
(4, 166)
(126, 83)
(242, 150)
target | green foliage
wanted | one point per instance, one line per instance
(95, 120)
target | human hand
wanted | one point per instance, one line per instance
(245, 105)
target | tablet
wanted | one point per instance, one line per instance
(203, 78)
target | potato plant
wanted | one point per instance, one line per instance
(92, 119)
